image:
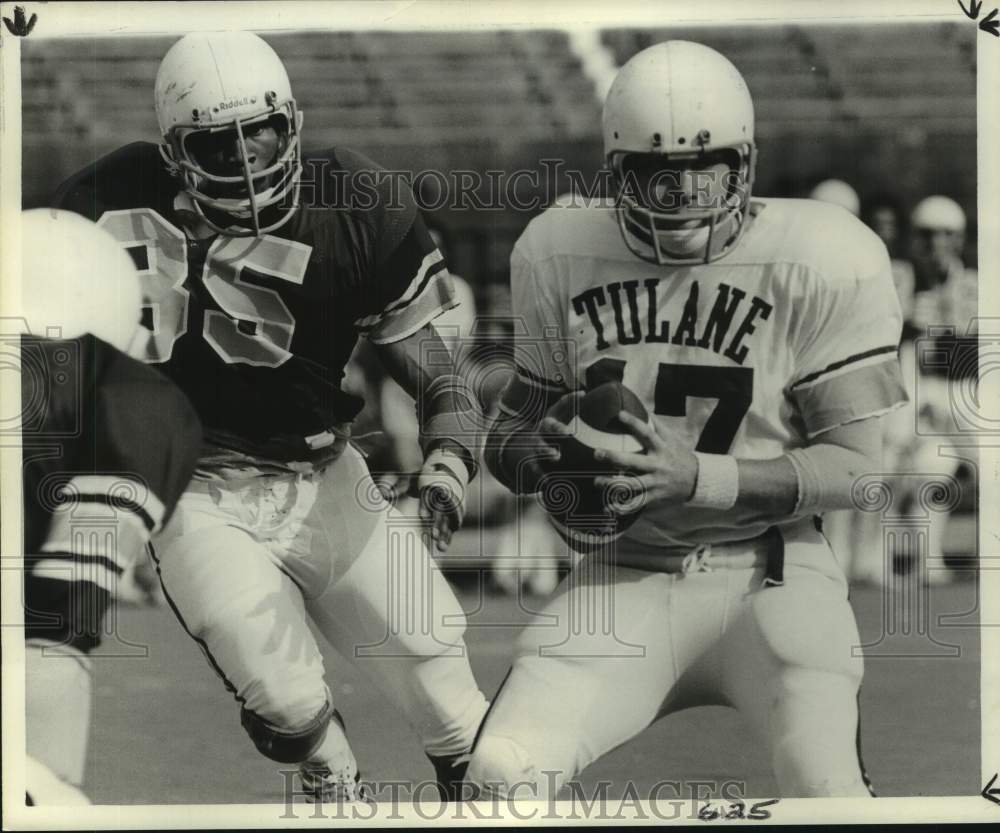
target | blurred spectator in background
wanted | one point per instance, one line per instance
(837, 192)
(945, 295)
(935, 290)
(945, 291)
(882, 214)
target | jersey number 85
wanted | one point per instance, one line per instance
(270, 323)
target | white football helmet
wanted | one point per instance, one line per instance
(77, 279)
(681, 100)
(938, 213)
(210, 82)
(837, 192)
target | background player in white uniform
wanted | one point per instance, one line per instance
(762, 336)
(108, 445)
(264, 264)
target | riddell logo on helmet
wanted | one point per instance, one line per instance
(236, 102)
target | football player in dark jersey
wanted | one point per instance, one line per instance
(263, 265)
(108, 445)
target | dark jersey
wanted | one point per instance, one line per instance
(108, 446)
(99, 427)
(257, 331)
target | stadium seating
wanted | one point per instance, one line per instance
(375, 89)
(857, 102)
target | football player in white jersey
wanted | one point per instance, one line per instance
(762, 336)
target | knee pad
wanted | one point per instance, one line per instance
(287, 746)
(503, 768)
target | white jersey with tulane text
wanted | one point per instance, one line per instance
(736, 356)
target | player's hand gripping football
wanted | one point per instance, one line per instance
(667, 472)
(542, 445)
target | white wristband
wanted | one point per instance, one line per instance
(453, 463)
(718, 482)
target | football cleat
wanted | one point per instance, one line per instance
(449, 774)
(321, 785)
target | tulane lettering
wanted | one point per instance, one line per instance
(630, 288)
(590, 301)
(735, 351)
(724, 328)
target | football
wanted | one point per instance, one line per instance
(576, 507)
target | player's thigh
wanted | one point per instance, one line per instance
(247, 616)
(395, 617)
(385, 595)
(392, 601)
(347, 511)
(790, 666)
(591, 671)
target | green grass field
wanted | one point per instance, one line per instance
(166, 732)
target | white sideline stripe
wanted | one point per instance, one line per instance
(606, 440)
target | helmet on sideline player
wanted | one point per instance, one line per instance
(680, 102)
(213, 92)
(938, 233)
(938, 213)
(837, 192)
(77, 279)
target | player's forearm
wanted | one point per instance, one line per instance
(768, 489)
(820, 478)
(448, 410)
(406, 363)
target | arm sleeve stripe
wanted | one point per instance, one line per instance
(118, 542)
(77, 558)
(118, 503)
(114, 490)
(857, 357)
(432, 264)
(405, 322)
(863, 392)
(94, 572)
